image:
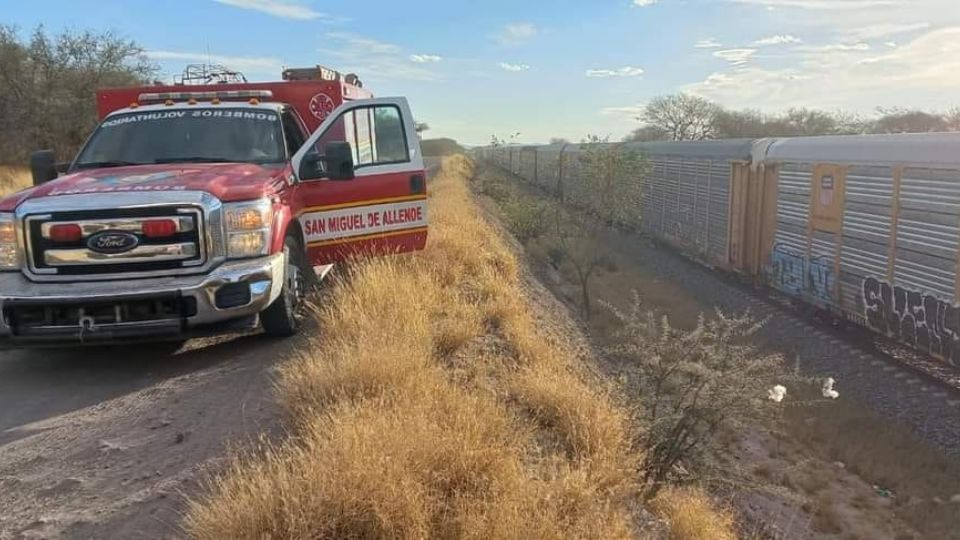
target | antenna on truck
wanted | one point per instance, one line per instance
(208, 74)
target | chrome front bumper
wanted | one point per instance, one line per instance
(263, 276)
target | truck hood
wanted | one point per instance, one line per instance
(226, 181)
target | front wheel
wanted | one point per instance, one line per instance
(285, 315)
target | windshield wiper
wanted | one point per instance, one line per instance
(105, 164)
(194, 159)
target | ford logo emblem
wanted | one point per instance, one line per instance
(109, 242)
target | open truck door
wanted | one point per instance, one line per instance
(361, 183)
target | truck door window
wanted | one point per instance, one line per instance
(389, 140)
(376, 135)
(292, 131)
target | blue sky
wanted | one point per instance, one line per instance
(559, 68)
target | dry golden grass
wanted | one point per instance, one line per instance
(13, 179)
(691, 515)
(432, 405)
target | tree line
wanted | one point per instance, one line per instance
(684, 117)
(47, 85)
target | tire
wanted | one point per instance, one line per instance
(284, 317)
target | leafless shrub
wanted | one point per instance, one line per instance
(693, 382)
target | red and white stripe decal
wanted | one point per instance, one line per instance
(343, 224)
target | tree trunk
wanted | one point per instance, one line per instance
(585, 297)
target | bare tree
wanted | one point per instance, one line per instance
(803, 122)
(49, 84)
(744, 124)
(647, 134)
(909, 121)
(682, 117)
(607, 193)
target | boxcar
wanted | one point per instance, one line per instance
(866, 227)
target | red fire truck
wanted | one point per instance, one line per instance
(204, 209)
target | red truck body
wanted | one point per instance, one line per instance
(86, 240)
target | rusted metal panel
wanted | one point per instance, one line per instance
(826, 199)
(739, 210)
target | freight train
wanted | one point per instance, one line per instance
(863, 227)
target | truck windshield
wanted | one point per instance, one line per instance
(207, 135)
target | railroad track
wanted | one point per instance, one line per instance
(920, 392)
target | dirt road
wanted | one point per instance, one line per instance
(96, 445)
(107, 445)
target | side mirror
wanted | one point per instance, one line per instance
(43, 166)
(338, 157)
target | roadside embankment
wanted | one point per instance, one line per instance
(13, 178)
(435, 402)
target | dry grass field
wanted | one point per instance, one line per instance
(435, 404)
(13, 179)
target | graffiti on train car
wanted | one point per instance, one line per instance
(920, 320)
(786, 272)
(820, 278)
(792, 273)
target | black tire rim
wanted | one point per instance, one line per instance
(294, 286)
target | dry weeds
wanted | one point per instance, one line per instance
(433, 406)
(693, 516)
(13, 179)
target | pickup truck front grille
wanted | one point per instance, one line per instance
(181, 247)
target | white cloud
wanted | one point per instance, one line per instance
(891, 44)
(517, 33)
(835, 47)
(709, 43)
(629, 111)
(779, 39)
(644, 3)
(626, 71)
(252, 64)
(513, 67)
(921, 73)
(375, 60)
(736, 57)
(370, 46)
(425, 58)
(277, 8)
(882, 30)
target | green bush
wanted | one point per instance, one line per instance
(526, 218)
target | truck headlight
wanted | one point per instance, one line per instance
(9, 252)
(248, 227)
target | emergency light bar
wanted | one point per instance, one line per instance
(221, 94)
